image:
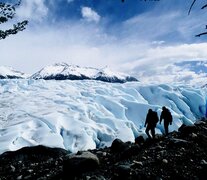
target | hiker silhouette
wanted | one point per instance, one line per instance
(151, 121)
(166, 115)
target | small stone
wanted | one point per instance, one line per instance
(182, 149)
(193, 135)
(12, 168)
(28, 177)
(19, 177)
(101, 153)
(138, 163)
(162, 152)
(203, 162)
(165, 161)
(144, 158)
(30, 170)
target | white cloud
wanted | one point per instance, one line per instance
(141, 46)
(90, 46)
(157, 64)
(90, 15)
(35, 10)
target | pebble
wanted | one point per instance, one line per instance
(12, 168)
(19, 177)
(203, 162)
(30, 170)
(193, 135)
(165, 161)
(138, 163)
(28, 177)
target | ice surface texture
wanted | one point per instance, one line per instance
(80, 115)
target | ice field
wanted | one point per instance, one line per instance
(80, 115)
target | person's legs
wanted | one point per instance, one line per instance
(153, 132)
(166, 124)
(147, 132)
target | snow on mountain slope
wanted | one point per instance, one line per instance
(80, 115)
(10, 73)
(62, 71)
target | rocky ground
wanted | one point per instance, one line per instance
(180, 155)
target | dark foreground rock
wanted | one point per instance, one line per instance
(180, 155)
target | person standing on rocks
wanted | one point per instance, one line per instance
(151, 121)
(166, 115)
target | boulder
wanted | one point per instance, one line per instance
(130, 151)
(139, 140)
(123, 171)
(118, 146)
(186, 130)
(76, 164)
(175, 142)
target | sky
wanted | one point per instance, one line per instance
(148, 39)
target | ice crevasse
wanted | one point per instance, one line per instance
(81, 115)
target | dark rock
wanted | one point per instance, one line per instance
(31, 163)
(178, 142)
(32, 153)
(177, 156)
(198, 123)
(123, 171)
(96, 177)
(119, 146)
(139, 140)
(75, 164)
(202, 140)
(130, 151)
(181, 127)
(186, 130)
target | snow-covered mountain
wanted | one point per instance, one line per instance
(63, 71)
(10, 73)
(89, 114)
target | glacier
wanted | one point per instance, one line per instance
(87, 114)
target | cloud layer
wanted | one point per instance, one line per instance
(146, 45)
(89, 14)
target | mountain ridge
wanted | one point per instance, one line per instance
(64, 71)
(9, 73)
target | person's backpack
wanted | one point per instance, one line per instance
(169, 116)
(155, 117)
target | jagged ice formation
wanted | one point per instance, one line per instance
(87, 114)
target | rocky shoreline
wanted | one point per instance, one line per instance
(180, 155)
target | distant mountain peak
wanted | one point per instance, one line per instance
(9, 73)
(63, 71)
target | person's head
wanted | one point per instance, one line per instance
(150, 110)
(164, 108)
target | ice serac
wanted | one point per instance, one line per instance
(10, 73)
(88, 114)
(63, 71)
